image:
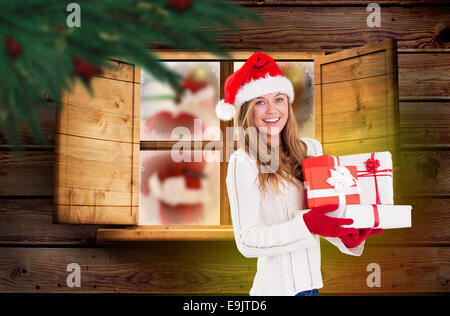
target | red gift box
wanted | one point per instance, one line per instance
(326, 182)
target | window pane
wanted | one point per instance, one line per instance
(185, 192)
(301, 74)
(162, 109)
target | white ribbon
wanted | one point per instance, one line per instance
(341, 179)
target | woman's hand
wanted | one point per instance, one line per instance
(354, 239)
(326, 226)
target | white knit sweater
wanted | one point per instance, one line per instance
(272, 229)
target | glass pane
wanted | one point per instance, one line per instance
(179, 191)
(162, 109)
(301, 74)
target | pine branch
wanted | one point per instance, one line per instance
(40, 51)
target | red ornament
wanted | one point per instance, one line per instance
(58, 28)
(14, 49)
(194, 86)
(372, 164)
(180, 5)
(84, 69)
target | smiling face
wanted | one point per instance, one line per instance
(270, 112)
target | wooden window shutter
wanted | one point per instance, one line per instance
(97, 150)
(356, 101)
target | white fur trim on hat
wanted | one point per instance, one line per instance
(261, 86)
(225, 111)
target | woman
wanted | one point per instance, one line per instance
(265, 188)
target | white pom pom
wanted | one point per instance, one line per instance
(225, 111)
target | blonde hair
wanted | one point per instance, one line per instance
(291, 153)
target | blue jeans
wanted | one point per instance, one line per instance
(314, 292)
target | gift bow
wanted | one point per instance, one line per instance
(372, 170)
(341, 179)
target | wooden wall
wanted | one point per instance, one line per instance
(34, 252)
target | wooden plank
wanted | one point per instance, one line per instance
(93, 164)
(29, 222)
(357, 95)
(262, 3)
(430, 222)
(167, 233)
(360, 146)
(357, 63)
(424, 123)
(430, 219)
(334, 28)
(82, 121)
(352, 126)
(26, 173)
(403, 270)
(363, 103)
(318, 117)
(121, 71)
(95, 181)
(425, 173)
(164, 268)
(111, 96)
(357, 109)
(97, 152)
(225, 215)
(204, 267)
(88, 196)
(226, 69)
(168, 145)
(135, 151)
(235, 55)
(424, 74)
(96, 214)
(46, 116)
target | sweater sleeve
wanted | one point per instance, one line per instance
(315, 149)
(356, 251)
(253, 237)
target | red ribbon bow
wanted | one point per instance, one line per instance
(372, 164)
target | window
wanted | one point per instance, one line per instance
(174, 192)
(100, 157)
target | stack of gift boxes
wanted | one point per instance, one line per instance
(362, 186)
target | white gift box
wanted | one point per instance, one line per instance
(367, 216)
(368, 183)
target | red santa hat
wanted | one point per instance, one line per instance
(258, 76)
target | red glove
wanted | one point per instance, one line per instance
(326, 226)
(354, 239)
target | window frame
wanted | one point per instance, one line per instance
(223, 231)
